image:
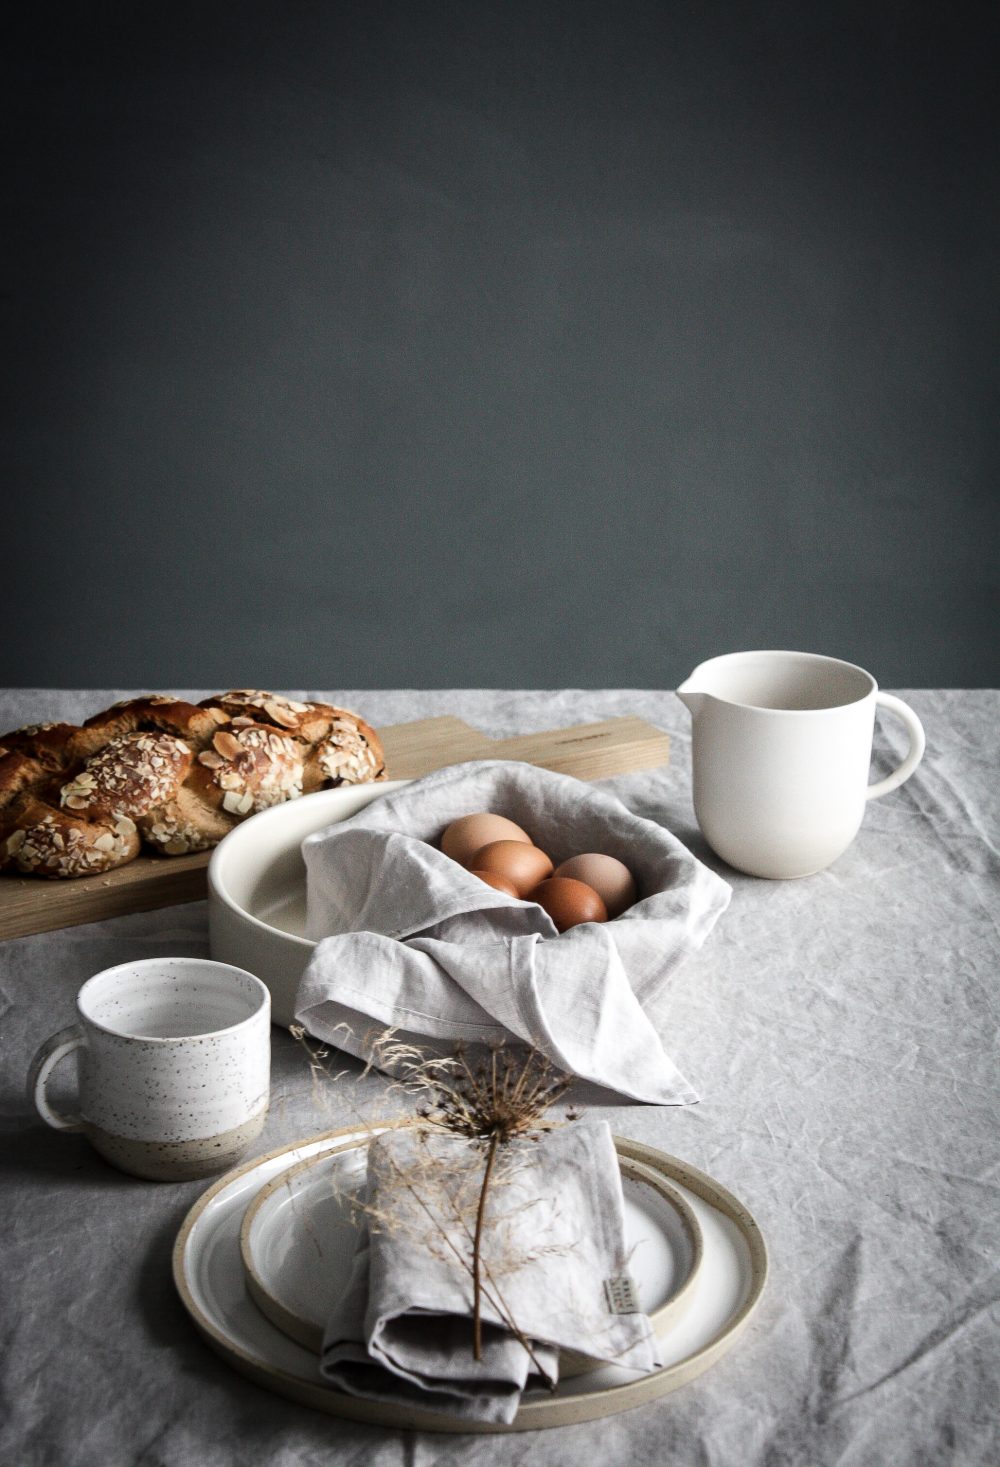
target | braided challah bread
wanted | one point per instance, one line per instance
(174, 776)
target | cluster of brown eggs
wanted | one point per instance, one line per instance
(587, 888)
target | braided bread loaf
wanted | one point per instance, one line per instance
(173, 775)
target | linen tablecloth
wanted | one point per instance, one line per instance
(842, 1032)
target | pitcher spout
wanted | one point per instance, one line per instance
(692, 697)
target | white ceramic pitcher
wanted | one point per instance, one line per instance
(781, 749)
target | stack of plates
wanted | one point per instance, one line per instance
(263, 1255)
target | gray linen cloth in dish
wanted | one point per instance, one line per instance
(554, 1234)
(408, 939)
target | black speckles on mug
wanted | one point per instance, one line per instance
(175, 1072)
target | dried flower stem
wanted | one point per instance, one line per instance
(500, 1101)
(477, 1254)
(492, 1295)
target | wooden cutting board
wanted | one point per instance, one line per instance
(588, 750)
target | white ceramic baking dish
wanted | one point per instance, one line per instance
(257, 888)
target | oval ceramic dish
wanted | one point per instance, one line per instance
(257, 889)
(300, 1233)
(208, 1272)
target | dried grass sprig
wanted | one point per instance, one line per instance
(490, 1292)
(503, 1098)
(491, 1101)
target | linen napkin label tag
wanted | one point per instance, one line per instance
(622, 1294)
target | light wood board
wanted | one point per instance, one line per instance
(30, 904)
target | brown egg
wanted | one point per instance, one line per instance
(466, 836)
(569, 902)
(612, 880)
(498, 883)
(523, 866)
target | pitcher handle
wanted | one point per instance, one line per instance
(916, 751)
(55, 1048)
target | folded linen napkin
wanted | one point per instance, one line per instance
(408, 939)
(554, 1234)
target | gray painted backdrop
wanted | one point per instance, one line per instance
(499, 343)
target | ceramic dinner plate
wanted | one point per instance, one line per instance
(299, 1236)
(208, 1271)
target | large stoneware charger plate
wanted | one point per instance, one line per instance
(300, 1233)
(208, 1271)
(257, 888)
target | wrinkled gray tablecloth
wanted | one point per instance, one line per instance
(842, 1032)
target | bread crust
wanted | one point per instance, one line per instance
(172, 777)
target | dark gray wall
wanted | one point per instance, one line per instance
(499, 343)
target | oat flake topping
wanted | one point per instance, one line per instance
(283, 711)
(254, 767)
(173, 834)
(132, 772)
(65, 852)
(346, 756)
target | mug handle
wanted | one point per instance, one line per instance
(55, 1048)
(916, 751)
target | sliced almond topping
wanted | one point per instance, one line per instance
(124, 826)
(104, 843)
(227, 744)
(211, 760)
(283, 715)
(74, 790)
(176, 846)
(15, 842)
(231, 801)
(246, 803)
(76, 802)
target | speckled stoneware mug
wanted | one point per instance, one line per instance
(174, 1066)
